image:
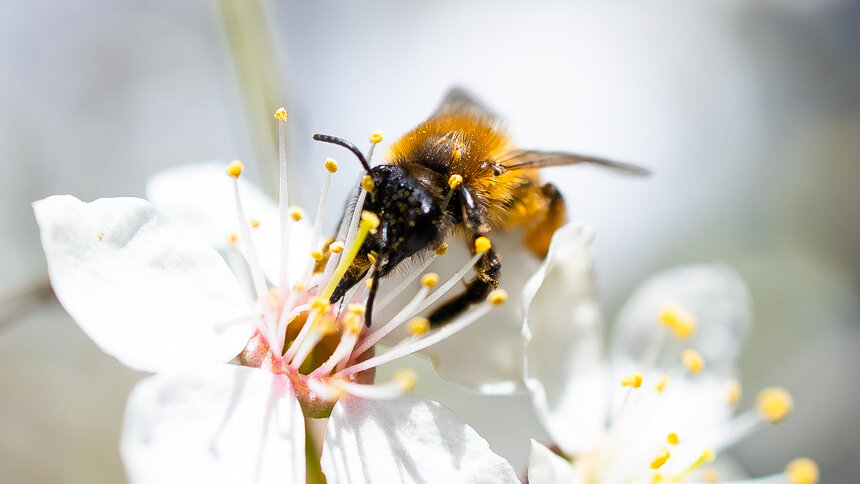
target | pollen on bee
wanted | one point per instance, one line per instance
(454, 181)
(336, 247)
(367, 183)
(429, 280)
(235, 168)
(497, 297)
(281, 114)
(376, 136)
(330, 165)
(482, 244)
(441, 249)
(774, 404)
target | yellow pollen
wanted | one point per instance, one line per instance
(336, 247)
(355, 308)
(441, 249)
(693, 361)
(300, 286)
(497, 297)
(429, 280)
(454, 181)
(330, 165)
(352, 323)
(707, 455)
(634, 380)
(370, 218)
(405, 378)
(254, 223)
(733, 392)
(680, 321)
(320, 304)
(372, 257)
(376, 137)
(660, 459)
(234, 238)
(367, 183)
(802, 471)
(482, 244)
(317, 255)
(774, 404)
(661, 383)
(418, 326)
(235, 168)
(710, 475)
(456, 155)
(295, 212)
(369, 282)
(281, 114)
(672, 438)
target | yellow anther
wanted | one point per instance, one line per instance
(672, 438)
(429, 280)
(693, 361)
(681, 322)
(497, 297)
(300, 286)
(405, 378)
(369, 282)
(661, 383)
(352, 323)
(733, 391)
(482, 244)
(234, 238)
(456, 154)
(418, 326)
(254, 223)
(235, 168)
(660, 459)
(454, 181)
(710, 475)
(355, 308)
(367, 183)
(774, 404)
(274, 299)
(634, 380)
(708, 455)
(319, 304)
(802, 471)
(295, 212)
(370, 218)
(281, 114)
(330, 165)
(325, 325)
(441, 249)
(336, 247)
(376, 137)
(317, 255)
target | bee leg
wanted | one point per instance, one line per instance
(544, 223)
(487, 278)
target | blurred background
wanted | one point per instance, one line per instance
(747, 112)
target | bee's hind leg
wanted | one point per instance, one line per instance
(486, 279)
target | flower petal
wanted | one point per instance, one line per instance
(406, 440)
(563, 351)
(202, 195)
(222, 424)
(545, 467)
(146, 290)
(717, 297)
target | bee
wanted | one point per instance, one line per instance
(456, 175)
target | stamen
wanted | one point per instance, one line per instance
(320, 327)
(774, 404)
(403, 381)
(419, 326)
(661, 383)
(401, 317)
(404, 283)
(235, 168)
(707, 456)
(672, 438)
(660, 459)
(296, 213)
(368, 221)
(438, 293)
(482, 244)
(802, 471)
(375, 138)
(330, 165)
(633, 379)
(733, 391)
(710, 475)
(352, 327)
(406, 378)
(681, 322)
(693, 361)
(336, 247)
(349, 236)
(429, 280)
(320, 215)
(283, 195)
(254, 223)
(367, 183)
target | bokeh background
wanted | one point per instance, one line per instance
(748, 113)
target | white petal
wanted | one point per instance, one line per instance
(226, 423)
(715, 294)
(563, 351)
(406, 440)
(202, 195)
(545, 467)
(146, 290)
(488, 355)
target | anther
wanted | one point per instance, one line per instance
(660, 459)
(405, 378)
(633, 379)
(376, 137)
(370, 218)
(369, 282)
(693, 361)
(672, 438)
(367, 183)
(355, 308)
(372, 256)
(319, 304)
(802, 471)
(281, 114)
(441, 249)
(418, 326)
(454, 181)
(254, 223)
(296, 212)
(497, 297)
(482, 244)
(774, 404)
(235, 168)
(336, 247)
(429, 280)
(317, 255)
(733, 391)
(681, 322)
(330, 165)
(300, 286)
(234, 238)
(661, 383)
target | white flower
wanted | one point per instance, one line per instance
(658, 405)
(150, 292)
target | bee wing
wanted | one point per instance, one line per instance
(526, 159)
(458, 100)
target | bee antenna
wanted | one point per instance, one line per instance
(346, 144)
